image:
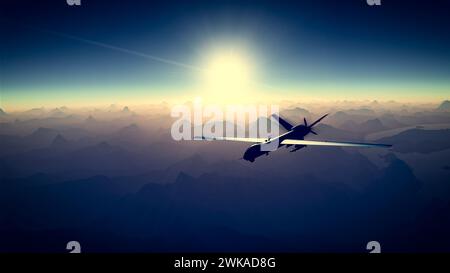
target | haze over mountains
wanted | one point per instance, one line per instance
(114, 179)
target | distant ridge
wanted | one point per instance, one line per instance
(59, 141)
(372, 125)
(90, 119)
(42, 131)
(444, 107)
(57, 113)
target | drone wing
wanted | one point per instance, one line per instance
(283, 122)
(239, 139)
(332, 143)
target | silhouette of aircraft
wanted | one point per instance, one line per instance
(294, 137)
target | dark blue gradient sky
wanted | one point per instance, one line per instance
(336, 49)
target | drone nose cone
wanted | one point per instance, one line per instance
(248, 156)
(249, 159)
(253, 152)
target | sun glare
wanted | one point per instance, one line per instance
(227, 77)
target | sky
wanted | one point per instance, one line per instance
(138, 51)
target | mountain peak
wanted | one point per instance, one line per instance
(90, 119)
(113, 107)
(132, 126)
(57, 112)
(183, 177)
(372, 125)
(445, 106)
(42, 131)
(59, 140)
(104, 145)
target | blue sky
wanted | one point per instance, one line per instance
(335, 49)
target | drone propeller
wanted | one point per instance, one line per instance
(314, 123)
(317, 121)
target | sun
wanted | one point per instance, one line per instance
(227, 77)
